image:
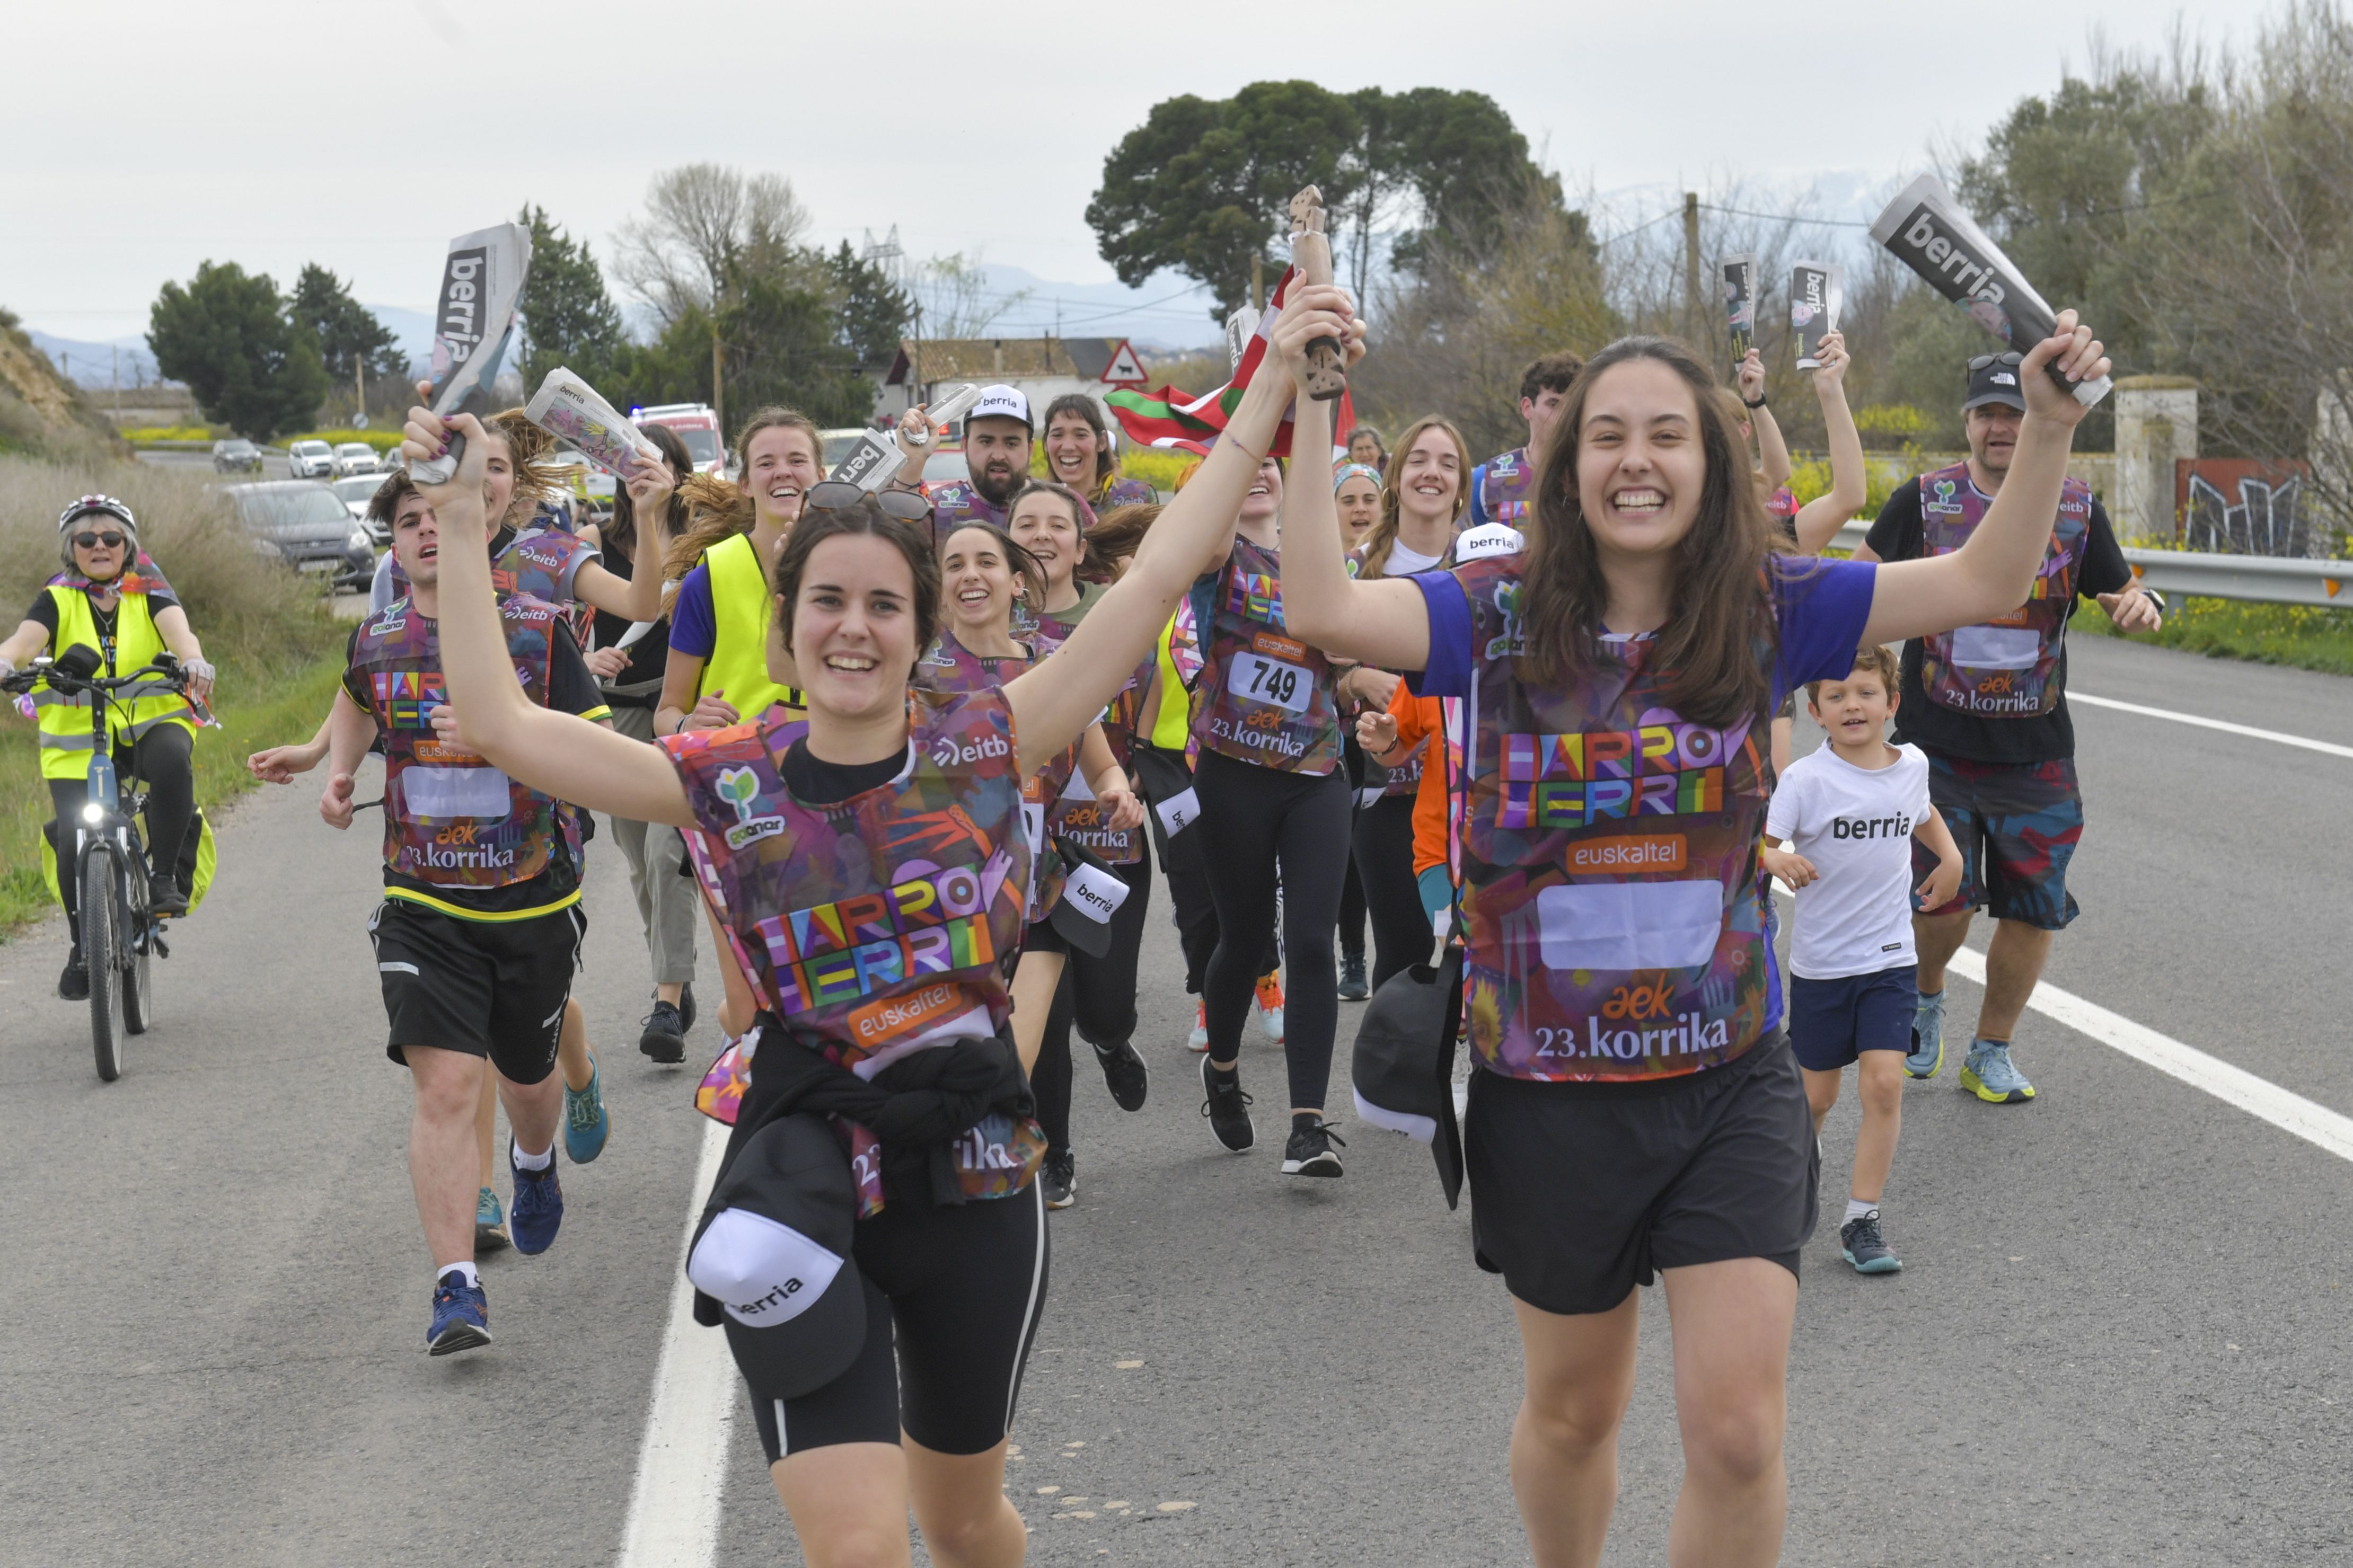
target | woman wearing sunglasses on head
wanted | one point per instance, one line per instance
(875, 871)
(110, 598)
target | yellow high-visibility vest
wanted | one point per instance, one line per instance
(66, 738)
(741, 606)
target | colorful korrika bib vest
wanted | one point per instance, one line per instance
(1123, 491)
(1269, 695)
(1075, 815)
(955, 501)
(880, 924)
(67, 742)
(948, 667)
(2008, 667)
(540, 563)
(1504, 493)
(450, 818)
(1612, 908)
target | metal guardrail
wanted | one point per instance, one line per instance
(2262, 579)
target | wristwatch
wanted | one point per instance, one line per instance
(1758, 404)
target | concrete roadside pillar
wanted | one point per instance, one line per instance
(2157, 424)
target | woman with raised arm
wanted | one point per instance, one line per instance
(1636, 1106)
(875, 875)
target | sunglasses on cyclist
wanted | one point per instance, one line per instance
(1987, 361)
(111, 540)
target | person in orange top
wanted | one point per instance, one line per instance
(1390, 738)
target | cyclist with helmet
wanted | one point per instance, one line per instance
(110, 598)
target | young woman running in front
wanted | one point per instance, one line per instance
(1079, 454)
(850, 817)
(1637, 1109)
(1427, 489)
(981, 571)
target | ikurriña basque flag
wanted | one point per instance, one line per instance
(1170, 418)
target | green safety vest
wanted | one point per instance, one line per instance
(66, 738)
(740, 604)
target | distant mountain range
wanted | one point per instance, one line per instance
(1167, 312)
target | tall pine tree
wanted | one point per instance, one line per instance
(568, 318)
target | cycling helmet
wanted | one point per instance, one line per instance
(87, 505)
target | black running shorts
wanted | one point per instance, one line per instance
(489, 988)
(1581, 1192)
(959, 1289)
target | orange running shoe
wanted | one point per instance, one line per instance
(1269, 1005)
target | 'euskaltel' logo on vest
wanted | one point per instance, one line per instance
(740, 788)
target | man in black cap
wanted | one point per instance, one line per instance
(1989, 705)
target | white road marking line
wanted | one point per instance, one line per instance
(682, 1462)
(2289, 1111)
(2329, 748)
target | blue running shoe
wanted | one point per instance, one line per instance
(461, 1316)
(1927, 1036)
(538, 1207)
(586, 1125)
(489, 1223)
(1989, 1074)
(1861, 1243)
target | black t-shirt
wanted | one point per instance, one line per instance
(1899, 534)
(650, 655)
(570, 689)
(821, 783)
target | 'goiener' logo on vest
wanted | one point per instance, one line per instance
(740, 788)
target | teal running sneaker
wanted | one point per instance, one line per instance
(489, 1223)
(586, 1125)
(1991, 1076)
(1927, 1036)
(1861, 1243)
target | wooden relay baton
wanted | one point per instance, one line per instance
(1311, 252)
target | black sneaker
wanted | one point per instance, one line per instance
(73, 984)
(163, 895)
(686, 1008)
(665, 1036)
(1124, 1075)
(1309, 1152)
(1060, 1177)
(1227, 1108)
(1352, 978)
(1862, 1245)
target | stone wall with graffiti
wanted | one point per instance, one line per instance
(2248, 506)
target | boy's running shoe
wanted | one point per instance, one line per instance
(1060, 1177)
(1861, 1243)
(489, 1223)
(1227, 1108)
(586, 1125)
(1927, 1036)
(1124, 1075)
(1270, 1006)
(461, 1316)
(1309, 1152)
(1352, 985)
(538, 1207)
(1990, 1076)
(1198, 1040)
(664, 1040)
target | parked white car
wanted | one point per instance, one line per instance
(310, 460)
(356, 458)
(355, 493)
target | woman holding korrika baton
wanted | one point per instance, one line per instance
(1637, 1109)
(1079, 454)
(899, 812)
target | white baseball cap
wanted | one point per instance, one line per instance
(1002, 401)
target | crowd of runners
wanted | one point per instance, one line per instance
(912, 754)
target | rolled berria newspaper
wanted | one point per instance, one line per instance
(1928, 232)
(474, 329)
(1738, 274)
(568, 408)
(874, 458)
(1816, 289)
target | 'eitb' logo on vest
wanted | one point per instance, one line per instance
(740, 788)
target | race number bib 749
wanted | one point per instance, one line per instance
(1262, 679)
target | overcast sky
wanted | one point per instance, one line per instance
(143, 136)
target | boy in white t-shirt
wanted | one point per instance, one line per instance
(1852, 809)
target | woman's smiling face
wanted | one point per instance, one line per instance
(1043, 524)
(1641, 468)
(1431, 477)
(854, 626)
(976, 582)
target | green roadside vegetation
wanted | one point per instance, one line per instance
(2296, 635)
(272, 636)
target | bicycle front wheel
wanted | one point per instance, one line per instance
(102, 951)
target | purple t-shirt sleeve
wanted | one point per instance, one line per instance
(1822, 604)
(1448, 673)
(694, 630)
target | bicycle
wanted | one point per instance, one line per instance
(119, 934)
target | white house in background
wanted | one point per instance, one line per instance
(1042, 368)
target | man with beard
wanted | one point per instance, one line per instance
(997, 438)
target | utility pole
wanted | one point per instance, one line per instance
(1258, 283)
(359, 387)
(718, 393)
(1694, 330)
(114, 373)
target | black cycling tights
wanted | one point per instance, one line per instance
(1098, 996)
(1258, 820)
(1384, 835)
(160, 758)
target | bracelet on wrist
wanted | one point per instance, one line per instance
(1758, 404)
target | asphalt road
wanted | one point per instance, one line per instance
(273, 464)
(2122, 1334)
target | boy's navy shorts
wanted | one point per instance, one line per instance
(1831, 1022)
